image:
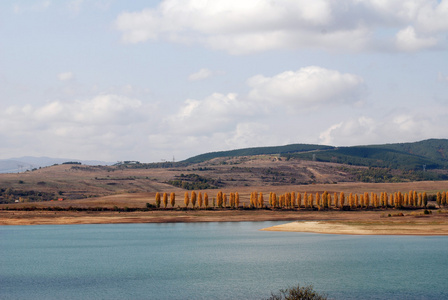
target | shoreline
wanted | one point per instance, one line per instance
(324, 222)
(365, 228)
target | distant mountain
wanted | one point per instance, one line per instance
(21, 164)
(427, 154)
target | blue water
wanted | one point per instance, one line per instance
(214, 261)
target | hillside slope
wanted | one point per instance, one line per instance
(427, 154)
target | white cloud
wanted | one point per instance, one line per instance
(391, 128)
(241, 27)
(307, 87)
(65, 76)
(215, 113)
(407, 40)
(102, 123)
(200, 75)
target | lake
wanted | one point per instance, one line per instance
(231, 260)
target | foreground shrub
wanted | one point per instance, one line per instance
(298, 293)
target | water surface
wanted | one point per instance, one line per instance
(214, 261)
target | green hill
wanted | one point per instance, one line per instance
(428, 154)
(282, 150)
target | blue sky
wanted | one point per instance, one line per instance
(149, 80)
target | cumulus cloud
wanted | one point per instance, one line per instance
(215, 113)
(65, 76)
(307, 87)
(407, 40)
(241, 27)
(200, 75)
(91, 124)
(392, 128)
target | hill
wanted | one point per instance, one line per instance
(428, 154)
(419, 156)
(282, 150)
(20, 164)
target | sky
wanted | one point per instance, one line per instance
(161, 80)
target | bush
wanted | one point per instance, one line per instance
(298, 293)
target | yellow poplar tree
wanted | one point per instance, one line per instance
(172, 199)
(439, 199)
(366, 199)
(293, 199)
(425, 199)
(318, 200)
(356, 200)
(165, 200)
(288, 200)
(205, 200)
(341, 200)
(305, 200)
(237, 200)
(193, 198)
(200, 199)
(224, 199)
(219, 199)
(158, 199)
(299, 200)
(336, 200)
(186, 199)
(397, 198)
(351, 200)
(260, 200)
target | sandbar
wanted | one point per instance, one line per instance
(365, 228)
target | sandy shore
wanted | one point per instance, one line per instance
(406, 227)
(329, 222)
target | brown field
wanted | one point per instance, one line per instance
(108, 187)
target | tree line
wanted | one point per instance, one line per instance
(293, 200)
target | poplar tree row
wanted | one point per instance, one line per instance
(306, 200)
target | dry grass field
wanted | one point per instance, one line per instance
(83, 187)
